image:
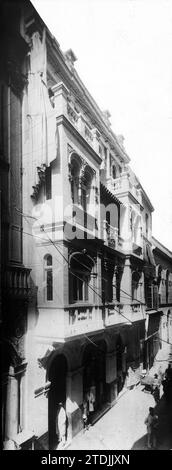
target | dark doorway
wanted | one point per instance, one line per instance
(57, 394)
(94, 375)
(119, 356)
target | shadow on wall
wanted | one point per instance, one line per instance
(16, 312)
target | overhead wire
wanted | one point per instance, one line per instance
(51, 241)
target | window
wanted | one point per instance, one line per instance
(80, 287)
(146, 224)
(135, 285)
(48, 278)
(167, 287)
(86, 190)
(118, 287)
(81, 267)
(84, 198)
(74, 180)
(113, 172)
(100, 150)
(48, 191)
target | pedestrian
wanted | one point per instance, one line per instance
(91, 403)
(168, 372)
(156, 394)
(154, 430)
(85, 415)
(61, 425)
(149, 422)
(155, 389)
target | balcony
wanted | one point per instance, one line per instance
(84, 320)
(123, 185)
(137, 249)
(111, 236)
(16, 282)
(61, 324)
(113, 315)
(120, 313)
(72, 115)
(70, 110)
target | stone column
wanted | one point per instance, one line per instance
(80, 191)
(11, 421)
(23, 397)
(108, 169)
(126, 283)
(99, 280)
(141, 294)
(114, 285)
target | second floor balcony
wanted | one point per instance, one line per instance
(122, 185)
(124, 314)
(15, 283)
(65, 324)
(111, 236)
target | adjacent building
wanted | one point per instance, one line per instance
(85, 281)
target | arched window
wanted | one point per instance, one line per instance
(147, 224)
(113, 172)
(135, 285)
(48, 276)
(168, 326)
(167, 286)
(80, 274)
(159, 282)
(75, 169)
(86, 189)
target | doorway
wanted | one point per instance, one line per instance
(57, 394)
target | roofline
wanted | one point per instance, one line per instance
(85, 95)
(160, 247)
(112, 196)
(145, 196)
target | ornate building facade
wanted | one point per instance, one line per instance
(85, 226)
(163, 260)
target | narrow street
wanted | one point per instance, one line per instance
(122, 427)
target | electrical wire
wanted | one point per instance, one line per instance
(51, 241)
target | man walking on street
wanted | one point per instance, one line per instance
(61, 425)
(152, 424)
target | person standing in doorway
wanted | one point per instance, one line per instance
(61, 425)
(149, 425)
(85, 415)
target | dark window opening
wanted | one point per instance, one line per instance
(80, 288)
(49, 277)
(113, 172)
(146, 221)
(48, 188)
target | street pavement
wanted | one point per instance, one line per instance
(123, 428)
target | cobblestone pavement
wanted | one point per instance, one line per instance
(122, 427)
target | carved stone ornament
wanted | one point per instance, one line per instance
(41, 179)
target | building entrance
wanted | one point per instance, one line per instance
(57, 394)
(94, 376)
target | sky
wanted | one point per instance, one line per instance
(124, 58)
